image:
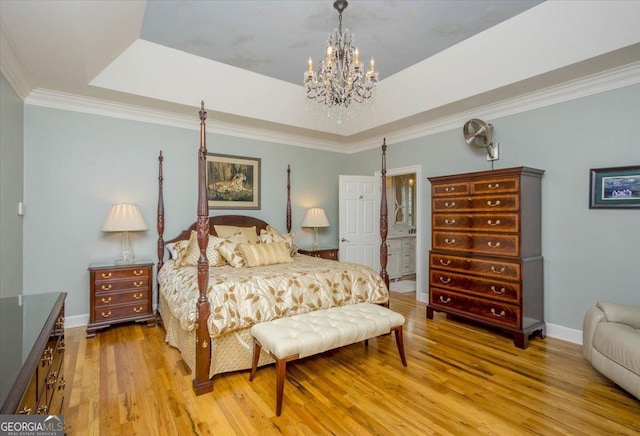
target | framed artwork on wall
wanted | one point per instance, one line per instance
(615, 188)
(233, 182)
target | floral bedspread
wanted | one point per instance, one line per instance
(242, 297)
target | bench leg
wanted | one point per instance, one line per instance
(400, 343)
(281, 369)
(256, 356)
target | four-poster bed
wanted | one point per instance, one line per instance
(210, 323)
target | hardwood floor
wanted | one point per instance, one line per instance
(460, 379)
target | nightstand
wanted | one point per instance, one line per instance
(120, 293)
(324, 253)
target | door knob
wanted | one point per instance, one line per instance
(344, 240)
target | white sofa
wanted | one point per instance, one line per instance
(611, 342)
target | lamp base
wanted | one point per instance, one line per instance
(126, 256)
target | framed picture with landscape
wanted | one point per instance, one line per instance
(233, 182)
(615, 188)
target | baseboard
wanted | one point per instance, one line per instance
(76, 321)
(564, 333)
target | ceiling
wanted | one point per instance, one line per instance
(246, 59)
(275, 38)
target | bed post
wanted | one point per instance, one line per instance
(383, 216)
(201, 382)
(288, 198)
(160, 227)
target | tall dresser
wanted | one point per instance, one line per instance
(486, 263)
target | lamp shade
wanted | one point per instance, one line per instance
(124, 217)
(315, 217)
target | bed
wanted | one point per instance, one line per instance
(208, 306)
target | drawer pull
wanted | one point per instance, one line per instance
(492, 223)
(25, 411)
(61, 347)
(137, 296)
(60, 323)
(106, 275)
(493, 203)
(493, 245)
(499, 315)
(449, 189)
(53, 378)
(445, 281)
(450, 242)
(449, 222)
(443, 263)
(137, 273)
(452, 204)
(138, 284)
(497, 271)
(106, 287)
(445, 300)
(106, 300)
(137, 309)
(42, 410)
(106, 315)
(62, 383)
(47, 356)
(496, 186)
(495, 291)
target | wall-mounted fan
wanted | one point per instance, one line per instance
(477, 134)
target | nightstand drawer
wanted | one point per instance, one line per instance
(120, 273)
(323, 253)
(120, 312)
(116, 298)
(112, 285)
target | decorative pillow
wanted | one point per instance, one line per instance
(171, 248)
(190, 254)
(228, 247)
(227, 231)
(268, 253)
(271, 234)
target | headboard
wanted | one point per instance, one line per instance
(223, 220)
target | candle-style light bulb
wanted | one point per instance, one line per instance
(373, 63)
(310, 66)
(356, 56)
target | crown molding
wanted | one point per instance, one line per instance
(77, 103)
(585, 86)
(609, 80)
(11, 66)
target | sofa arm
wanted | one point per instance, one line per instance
(593, 317)
(621, 313)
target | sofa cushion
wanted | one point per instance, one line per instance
(620, 343)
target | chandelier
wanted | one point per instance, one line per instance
(341, 79)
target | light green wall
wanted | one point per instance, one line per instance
(590, 255)
(77, 165)
(11, 176)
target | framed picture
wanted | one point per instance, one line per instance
(615, 188)
(233, 182)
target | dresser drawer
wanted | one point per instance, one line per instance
(486, 243)
(485, 310)
(121, 285)
(508, 184)
(505, 202)
(452, 188)
(506, 222)
(120, 273)
(486, 267)
(475, 285)
(117, 298)
(120, 312)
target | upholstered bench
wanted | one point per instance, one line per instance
(304, 335)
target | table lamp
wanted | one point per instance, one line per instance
(124, 218)
(315, 217)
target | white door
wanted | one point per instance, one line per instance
(359, 218)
